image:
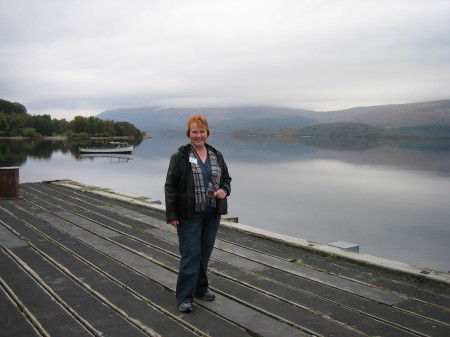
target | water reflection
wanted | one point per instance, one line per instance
(15, 152)
(401, 215)
(111, 157)
(390, 198)
(418, 155)
(421, 155)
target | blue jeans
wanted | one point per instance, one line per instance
(196, 239)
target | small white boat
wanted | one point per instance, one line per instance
(120, 148)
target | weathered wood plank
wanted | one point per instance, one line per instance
(126, 257)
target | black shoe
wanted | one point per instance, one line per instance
(207, 296)
(185, 307)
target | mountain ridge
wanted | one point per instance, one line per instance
(394, 116)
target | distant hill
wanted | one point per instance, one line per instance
(391, 116)
(268, 123)
(156, 119)
(332, 130)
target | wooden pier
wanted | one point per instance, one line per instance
(75, 263)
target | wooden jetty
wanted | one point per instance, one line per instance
(77, 263)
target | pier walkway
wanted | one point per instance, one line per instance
(76, 263)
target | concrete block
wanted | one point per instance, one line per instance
(345, 245)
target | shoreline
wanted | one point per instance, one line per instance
(65, 137)
(395, 267)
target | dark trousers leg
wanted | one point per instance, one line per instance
(209, 234)
(196, 241)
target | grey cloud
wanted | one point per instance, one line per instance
(93, 55)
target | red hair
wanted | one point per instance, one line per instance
(200, 121)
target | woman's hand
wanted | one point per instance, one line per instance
(220, 194)
(174, 223)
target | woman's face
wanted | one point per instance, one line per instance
(197, 135)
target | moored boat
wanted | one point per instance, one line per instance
(120, 148)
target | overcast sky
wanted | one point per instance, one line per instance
(76, 57)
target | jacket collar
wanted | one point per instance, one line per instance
(186, 149)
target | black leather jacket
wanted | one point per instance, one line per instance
(179, 186)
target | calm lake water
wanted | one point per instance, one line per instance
(393, 200)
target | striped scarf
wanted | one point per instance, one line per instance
(202, 197)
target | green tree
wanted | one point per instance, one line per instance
(10, 108)
(42, 124)
(30, 132)
(16, 123)
(4, 125)
(60, 126)
(78, 124)
(95, 126)
(110, 129)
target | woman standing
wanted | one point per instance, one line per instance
(196, 189)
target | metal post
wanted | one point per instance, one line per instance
(9, 182)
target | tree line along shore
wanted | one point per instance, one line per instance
(15, 122)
